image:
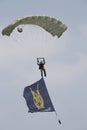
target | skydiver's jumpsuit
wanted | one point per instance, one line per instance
(41, 67)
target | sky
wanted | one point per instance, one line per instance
(66, 65)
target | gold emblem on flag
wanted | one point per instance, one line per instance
(37, 98)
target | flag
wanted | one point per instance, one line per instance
(37, 97)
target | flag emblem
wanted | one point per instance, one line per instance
(37, 97)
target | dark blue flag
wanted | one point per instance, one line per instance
(37, 97)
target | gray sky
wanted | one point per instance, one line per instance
(66, 65)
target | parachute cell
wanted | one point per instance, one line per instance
(50, 24)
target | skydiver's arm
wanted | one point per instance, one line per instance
(37, 61)
(43, 61)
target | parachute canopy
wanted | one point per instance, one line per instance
(50, 24)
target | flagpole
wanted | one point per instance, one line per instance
(57, 117)
(59, 121)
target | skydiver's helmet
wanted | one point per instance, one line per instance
(20, 30)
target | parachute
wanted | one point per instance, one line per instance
(36, 95)
(50, 24)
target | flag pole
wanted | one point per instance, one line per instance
(57, 117)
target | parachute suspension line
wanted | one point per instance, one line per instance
(21, 37)
(17, 38)
(17, 41)
(43, 44)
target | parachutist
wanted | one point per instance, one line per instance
(41, 66)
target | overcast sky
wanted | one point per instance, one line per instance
(66, 65)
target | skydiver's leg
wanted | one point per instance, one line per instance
(41, 73)
(44, 72)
